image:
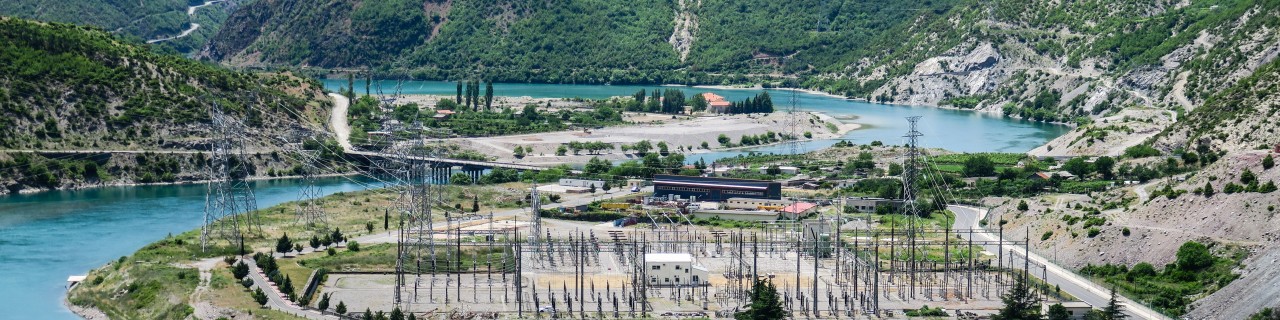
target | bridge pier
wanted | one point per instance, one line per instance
(475, 172)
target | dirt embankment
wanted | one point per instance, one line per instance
(1159, 226)
(677, 132)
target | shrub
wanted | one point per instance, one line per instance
(1194, 256)
(1022, 205)
(1046, 235)
(1125, 231)
(353, 246)
(1093, 232)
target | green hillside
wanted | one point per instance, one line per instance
(67, 87)
(144, 20)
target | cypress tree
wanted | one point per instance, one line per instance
(459, 97)
(488, 95)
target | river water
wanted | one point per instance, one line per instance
(955, 130)
(48, 236)
(45, 237)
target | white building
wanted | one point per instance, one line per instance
(1075, 309)
(674, 269)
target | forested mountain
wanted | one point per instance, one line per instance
(73, 88)
(145, 20)
(566, 41)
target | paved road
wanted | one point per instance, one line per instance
(276, 301)
(1081, 288)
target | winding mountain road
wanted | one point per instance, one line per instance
(1077, 286)
(191, 11)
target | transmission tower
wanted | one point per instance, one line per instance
(793, 123)
(535, 205)
(309, 211)
(413, 173)
(910, 177)
(229, 202)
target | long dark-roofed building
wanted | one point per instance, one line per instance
(715, 189)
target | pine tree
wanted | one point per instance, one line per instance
(1019, 303)
(324, 302)
(396, 314)
(765, 304)
(1113, 311)
(341, 308)
(283, 244)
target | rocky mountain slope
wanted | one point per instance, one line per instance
(78, 90)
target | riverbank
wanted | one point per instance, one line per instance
(31, 191)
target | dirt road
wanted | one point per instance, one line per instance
(338, 121)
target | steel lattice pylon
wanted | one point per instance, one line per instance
(910, 176)
(793, 122)
(309, 211)
(229, 202)
(414, 175)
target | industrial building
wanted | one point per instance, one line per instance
(714, 189)
(674, 269)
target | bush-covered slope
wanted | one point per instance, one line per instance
(151, 19)
(73, 88)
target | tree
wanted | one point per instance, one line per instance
(1207, 190)
(353, 246)
(396, 314)
(260, 297)
(1058, 312)
(642, 147)
(324, 302)
(1022, 205)
(1268, 162)
(341, 308)
(368, 227)
(895, 169)
(297, 247)
(723, 139)
(475, 204)
(518, 152)
(765, 304)
(1076, 166)
(606, 187)
(240, 270)
(460, 179)
(1019, 302)
(773, 170)
(592, 189)
(979, 166)
(315, 242)
(386, 220)
(1104, 165)
(561, 151)
(1113, 311)
(459, 97)
(705, 145)
(698, 103)
(283, 245)
(488, 95)
(662, 149)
